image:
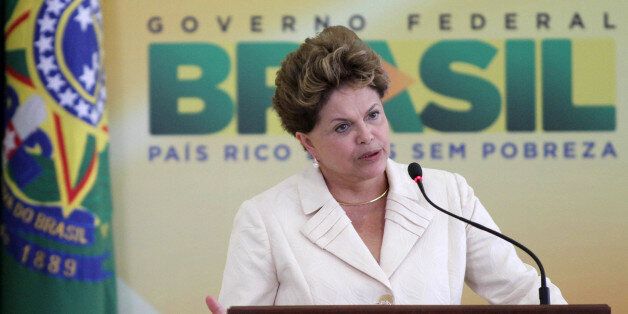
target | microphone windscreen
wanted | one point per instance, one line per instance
(414, 170)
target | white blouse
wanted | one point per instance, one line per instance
(294, 245)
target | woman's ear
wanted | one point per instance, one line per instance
(305, 142)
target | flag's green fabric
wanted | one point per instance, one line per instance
(57, 250)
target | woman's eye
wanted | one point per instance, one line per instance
(373, 115)
(342, 127)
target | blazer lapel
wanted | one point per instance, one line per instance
(330, 228)
(407, 217)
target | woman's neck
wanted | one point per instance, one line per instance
(357, 191)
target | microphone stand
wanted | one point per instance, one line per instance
(544, 295)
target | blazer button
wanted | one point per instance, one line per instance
(386, 299)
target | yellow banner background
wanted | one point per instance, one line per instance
(172, 219)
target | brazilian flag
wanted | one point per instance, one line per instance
(56, 234)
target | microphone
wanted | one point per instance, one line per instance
(416, 173)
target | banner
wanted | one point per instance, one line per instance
(525, 99)
(57, 248)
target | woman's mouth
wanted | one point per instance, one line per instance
(372, 155)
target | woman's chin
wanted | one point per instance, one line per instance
(373, 169)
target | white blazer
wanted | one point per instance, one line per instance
(294, 244)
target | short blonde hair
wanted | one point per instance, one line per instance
(333, 58)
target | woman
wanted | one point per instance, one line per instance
(354, 229)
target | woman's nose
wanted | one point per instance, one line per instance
(365, 136)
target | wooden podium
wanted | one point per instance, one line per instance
(426, 309)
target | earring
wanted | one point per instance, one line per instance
(314, 161)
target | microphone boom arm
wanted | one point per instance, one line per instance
(544, 296)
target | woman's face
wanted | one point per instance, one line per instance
(350, 140)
